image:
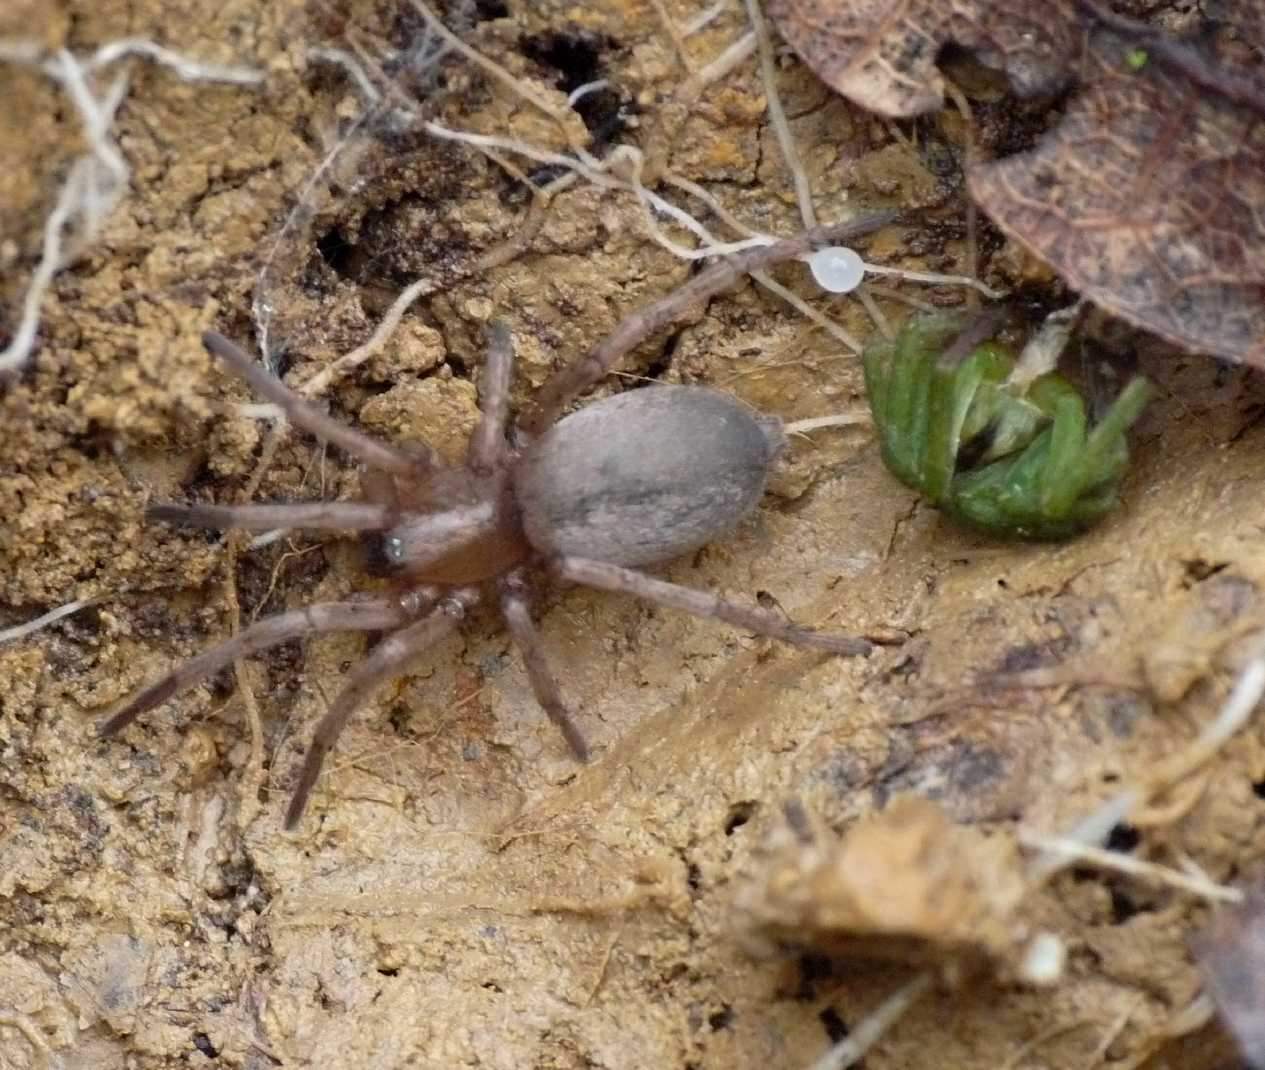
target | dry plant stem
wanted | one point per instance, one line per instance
(972, 212)
(581, 91)
(495, 257)
(387, 660)
(1194, 1016)
(721, 65)
(721, 212)
(188, 70)
(365, 616)
(1176, 802)
(1094, 828)
(704, 18)
(606, 577)
(1040, 1040)
(1242, 702)
(640, 325)
(871, 1029)
(500, 74)
(777, 116)
(861, 417)
(936, 278)
(98, 179)
(356, 73)
(317, 516)
(674, 34)
(763, 278)
(805, 309)
(1112, 1034)
(261, 302)
(44, 620)
(516, 609)
(673, 114)
(891, 294)
(862, 293)
(310, 418)
(1121, 863)
(598, 174)
(52, 260)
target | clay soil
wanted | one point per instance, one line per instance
(461, 893)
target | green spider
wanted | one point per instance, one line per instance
(997, 457)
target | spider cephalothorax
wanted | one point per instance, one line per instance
(632, 480)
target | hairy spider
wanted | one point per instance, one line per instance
(635, 479)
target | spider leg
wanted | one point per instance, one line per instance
(387, 660)
(311, 620)
(953, 391)
(909, 400)
(628, 581)
(307, 416)
(320, 516)
(1108, 433)
(487, 444)
(516, 609)
(633, 329)
(1062, 477)
(1082, 460)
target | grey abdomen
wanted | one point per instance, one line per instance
(644, 476)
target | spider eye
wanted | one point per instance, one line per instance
(393, 550)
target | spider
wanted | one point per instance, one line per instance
(635, 479)
(1002, 458)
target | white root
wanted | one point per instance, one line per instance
(96, 181)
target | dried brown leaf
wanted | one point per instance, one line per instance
(1246, 17)
(1150, 199)
(882, 53)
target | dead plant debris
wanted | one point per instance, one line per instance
(884, 56)
(1148, 197)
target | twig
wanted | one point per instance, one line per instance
(870, 1029)
(633, 329)
(777, 116)
(21, 631)
(839, 419)
(1076, 851)
(386, 327)
(1092, 830)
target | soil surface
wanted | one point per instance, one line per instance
(461, 893)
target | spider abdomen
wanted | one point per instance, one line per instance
(644, 476)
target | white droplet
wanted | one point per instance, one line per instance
(1044, 960)
(837, 269)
